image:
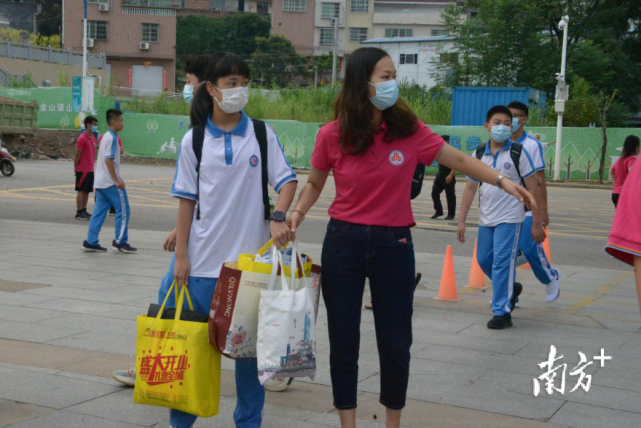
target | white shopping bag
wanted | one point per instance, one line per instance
(286, 344)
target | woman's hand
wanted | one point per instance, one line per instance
(281, 234)
(182, 269)
(519, 192)
(170, 242)
(294, 221)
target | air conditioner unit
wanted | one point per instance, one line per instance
(144, 46)
(103, 7)
(90, 43)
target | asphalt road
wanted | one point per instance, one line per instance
(43, 191)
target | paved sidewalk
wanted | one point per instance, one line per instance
(67, 319)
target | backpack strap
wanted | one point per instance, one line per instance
(515, 154)
(480, 150)
(198, 138)
(260, 130)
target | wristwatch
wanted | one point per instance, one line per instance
(498, 181)
(278, 216)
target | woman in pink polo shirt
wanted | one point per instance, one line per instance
(373, 147)
(622, 166)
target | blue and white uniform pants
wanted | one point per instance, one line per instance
(250, 393)
(496, 254)
(105, 199)
(535, 254)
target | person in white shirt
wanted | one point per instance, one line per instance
(110, 191)
(501, 214)
(221, 211)
(534, 252)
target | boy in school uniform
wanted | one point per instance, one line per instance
(534, 252)
(110, 191)
(501, 215)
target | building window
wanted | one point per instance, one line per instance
(217, 4)
(440, 33)
(98, 1)
(399, 32)
(409, 59)
(97, 30)
(148, 11)
(360, 6)
(327, 37)
(330, 10)
(294, 6)
(357, 34)
(262, 7)
(448, 58)
(150, 32)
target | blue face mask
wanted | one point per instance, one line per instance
(515, 125)
(500, 133)
(188, 93)
(94, 128)
(386, 94)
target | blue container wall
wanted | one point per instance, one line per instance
(470, 105)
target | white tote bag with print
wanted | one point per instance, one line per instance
(286, 344)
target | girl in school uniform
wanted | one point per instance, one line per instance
(373, 147)
(231, 218)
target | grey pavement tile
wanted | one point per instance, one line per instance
(35, 332)
(617, 379)
(120, 407)
(90, 378)
(630, 349)
(609, 314)
(110, 296)
(147, 280)
(75, 282)
(289, 412)
(47, 390)
(332, 420)
(43, 370)
(123, 343)
(494, 343)
(24, 314)
(22, 298)
(72, 420)
(13, 413)
(617, 325)
(447, 326)
(90, 308)
(138, 290)
(93, 323)
(584, 416)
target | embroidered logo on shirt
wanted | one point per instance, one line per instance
(507, 165)
(253, 161)
(396, 157)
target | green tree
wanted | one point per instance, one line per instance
(276, 63)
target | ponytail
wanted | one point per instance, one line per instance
(219, 65)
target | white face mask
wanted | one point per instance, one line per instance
(234, 99)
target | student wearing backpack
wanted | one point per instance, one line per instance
(222, 210)
(534, 253)
(501, 215)
(373, 148)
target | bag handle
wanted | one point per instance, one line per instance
(277, 261)
(179, 300)
(301, 265)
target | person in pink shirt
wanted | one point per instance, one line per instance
(83, 161)
(373, 148)
(624, 242)
(623, 164)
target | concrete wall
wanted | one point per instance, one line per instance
(297, 27)
(42, 70)
(358, 20)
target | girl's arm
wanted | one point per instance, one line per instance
(182, 266)
(466, 203)
(308, 197)
(472, 167)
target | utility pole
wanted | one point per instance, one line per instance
(315, 76)
(562, 95)
(335, 22)
(84, 43)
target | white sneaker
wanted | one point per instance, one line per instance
(126, 377)
(553, 289)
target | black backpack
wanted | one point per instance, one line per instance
(515, 154)
(417, 180)
(260, 130)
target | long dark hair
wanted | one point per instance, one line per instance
(355, 112)
(219, 65)
(630, 146)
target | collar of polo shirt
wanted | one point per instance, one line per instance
(507, 146)
(240, 129)
(522, 139)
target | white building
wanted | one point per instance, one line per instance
(415, 58)
(417, 18)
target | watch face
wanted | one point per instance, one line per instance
(279, 216)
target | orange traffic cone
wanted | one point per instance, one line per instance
(447, 290)
(546, 246)
(477, 277)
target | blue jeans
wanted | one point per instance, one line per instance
(535, 254)
(250, 393)
(385, 255)
(497, 251)
(105, 199)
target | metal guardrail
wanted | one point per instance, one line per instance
(10, 79)
(59, 56)
(170, 4)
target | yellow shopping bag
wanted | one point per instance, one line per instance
(175, 365)
(247, 263)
